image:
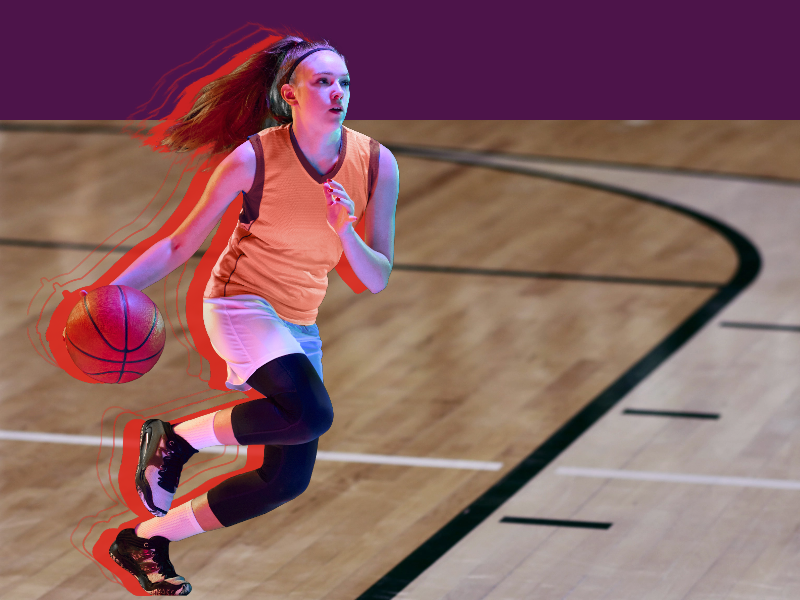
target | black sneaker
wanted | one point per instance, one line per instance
(148, 561)
(162, 454)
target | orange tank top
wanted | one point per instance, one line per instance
(283, 246)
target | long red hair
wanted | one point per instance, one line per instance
(230, 109)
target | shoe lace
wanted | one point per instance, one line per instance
(172, 464)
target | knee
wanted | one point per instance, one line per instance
(295, 486)
(317, 407)
(319, 419)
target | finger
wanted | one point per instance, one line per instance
(335, 186)
(339, 194)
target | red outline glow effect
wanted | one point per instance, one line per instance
(125, 499)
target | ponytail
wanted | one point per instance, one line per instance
(230, 109)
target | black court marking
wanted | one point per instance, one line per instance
(670, 413)
(562, 276)
(26, 127)
(55, 245)
(420, 268)
(418, 151)
(556, 523)
(760, 326)
(468, 519)
(78, 128)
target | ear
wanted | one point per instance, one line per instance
(287, 92)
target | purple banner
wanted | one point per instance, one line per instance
(421, 60)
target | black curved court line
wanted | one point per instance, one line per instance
(679, 414)
(421, 268)
(556, 523)
(604, 164)
(473, 515)
(25, 127)
(761, 326)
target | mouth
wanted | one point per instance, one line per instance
(337, 109)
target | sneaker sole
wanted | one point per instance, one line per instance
(146, 496)
(184, 590)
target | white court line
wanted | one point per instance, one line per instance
(775, 484)
(376, 459)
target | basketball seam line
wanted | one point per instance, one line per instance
(97, 329)
(108, 360)
(125, 313)
(152, 327)
(121, 373)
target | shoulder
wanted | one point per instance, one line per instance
(272, 136)
(387, 166)
(387, 185)
(276, 131)
(239, 167)
(355, 135)
(362, 144)
(242, 157)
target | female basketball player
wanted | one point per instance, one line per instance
(305, 183)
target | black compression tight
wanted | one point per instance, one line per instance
(295, 411)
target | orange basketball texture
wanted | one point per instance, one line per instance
(115, 334)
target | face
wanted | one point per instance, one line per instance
(320, 88)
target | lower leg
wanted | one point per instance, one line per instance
(284, 475)
(204, 515)
(181, 522)
(223, 427)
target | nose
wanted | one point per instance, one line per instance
(338, 92)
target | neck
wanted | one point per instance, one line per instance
(318, 142)
(320, 146)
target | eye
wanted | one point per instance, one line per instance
(346, 83)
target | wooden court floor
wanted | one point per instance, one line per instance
(600, 316)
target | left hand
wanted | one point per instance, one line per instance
(340, 208)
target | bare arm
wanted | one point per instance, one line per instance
(373, 257)
(233, 175)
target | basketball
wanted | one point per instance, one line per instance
(115, 334)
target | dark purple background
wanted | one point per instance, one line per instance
(419, 60)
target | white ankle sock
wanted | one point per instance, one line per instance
(178, 524)
(199, 432)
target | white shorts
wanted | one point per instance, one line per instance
(247, 333)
